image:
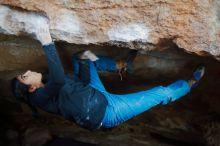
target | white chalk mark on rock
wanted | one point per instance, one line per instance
(14, 22)
(3, 13)
(67, 22)
(130, 32)
(67, 25)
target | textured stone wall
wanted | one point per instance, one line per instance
(193, 25)
(20, 54)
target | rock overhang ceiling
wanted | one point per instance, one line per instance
(137, 24)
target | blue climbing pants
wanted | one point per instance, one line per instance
(123, 107)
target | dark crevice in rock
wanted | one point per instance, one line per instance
(138, 45)
(178, 142)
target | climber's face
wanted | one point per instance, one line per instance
(31, 78)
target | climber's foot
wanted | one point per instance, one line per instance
(88, 55)
(197, 75)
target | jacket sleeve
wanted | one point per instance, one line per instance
(56, 71)
(56, 77)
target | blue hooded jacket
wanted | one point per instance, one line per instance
(68, 96)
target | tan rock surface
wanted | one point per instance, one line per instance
(192, 24)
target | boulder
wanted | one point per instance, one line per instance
(138, 24)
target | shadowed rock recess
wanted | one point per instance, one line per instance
(172, 37)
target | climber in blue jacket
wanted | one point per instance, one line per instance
(82, 97)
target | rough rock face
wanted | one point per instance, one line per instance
(193, 25)
(137, 24)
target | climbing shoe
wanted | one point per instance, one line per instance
(88, 55)
(197, 75)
